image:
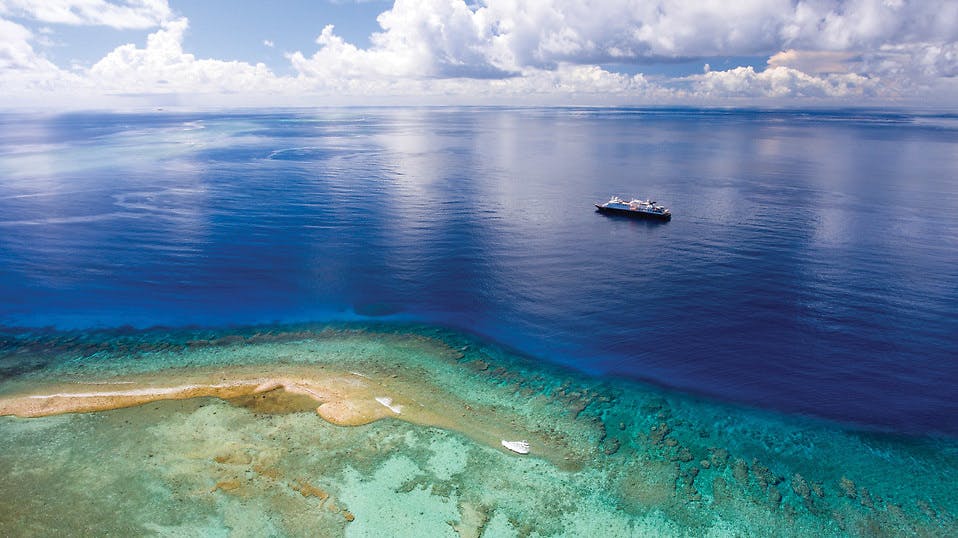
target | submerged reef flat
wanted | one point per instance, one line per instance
(382, 430)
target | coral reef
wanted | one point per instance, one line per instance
(281, 431)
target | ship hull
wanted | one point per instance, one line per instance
(633, 214)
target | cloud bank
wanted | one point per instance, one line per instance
(533, 51)
(131, 14)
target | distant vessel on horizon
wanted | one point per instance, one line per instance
(635, 208)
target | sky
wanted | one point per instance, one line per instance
(228, 53)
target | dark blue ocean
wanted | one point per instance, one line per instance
(811, 265)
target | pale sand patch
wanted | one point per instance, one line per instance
(341, 398)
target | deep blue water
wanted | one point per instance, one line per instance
(811, 265)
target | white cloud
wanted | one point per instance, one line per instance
(420, 39)
(503, 38)
(582, 83)
(27, 75)
(541, 32)
(816, 61)
(868, 24)
(128, 14)
(268, 43)
(15, 50)
(340, 68)
(545, 50)
(22, 69)
(916, 60)
(163, 67)
(939, 59)
(779, 82)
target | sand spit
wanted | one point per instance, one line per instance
(336, 400)
(341, 398)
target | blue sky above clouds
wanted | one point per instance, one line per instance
(115, 53)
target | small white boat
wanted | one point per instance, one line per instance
(519, 447)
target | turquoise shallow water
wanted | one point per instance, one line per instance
(609, 457)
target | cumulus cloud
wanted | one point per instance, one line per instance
(420, 39)
(22, 69)
(162, 66)
(936, 60)
(821, 48)
(541, 32)
(540, 49)
(580, 83)
(127, 14)
(915, 60)
(15, 50)
(869, 24)
(778, 82)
